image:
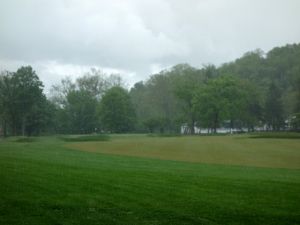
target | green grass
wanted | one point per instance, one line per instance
(48, 182)
(285, 135)
(85, 138)
(25, 139)
(164, 135)
(228, 150)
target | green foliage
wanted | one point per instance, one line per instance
(295, 121)
(81, 112)
(221, 99)
(256, 89)
(187, 81)
(23, 101)
(76, 102)
(116, 111)
(274, 108)
(152, 124)
(166, 97)
(173, 95)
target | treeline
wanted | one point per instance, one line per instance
(255, 90)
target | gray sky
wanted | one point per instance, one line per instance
(138, 37)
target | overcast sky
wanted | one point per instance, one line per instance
(138, 37)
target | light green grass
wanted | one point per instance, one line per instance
(231, 150)
(44, 182)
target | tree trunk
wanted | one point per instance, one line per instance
(192, 125)
(15, 129)
(216, 122)
(4, 129)
(23, 126)
(231, 126)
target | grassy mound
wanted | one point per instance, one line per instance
(85, 138)
(25, 139)
(229, 150)
(280, 135)
(164, 135)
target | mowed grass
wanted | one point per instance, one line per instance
(229, 150)
(48, 182)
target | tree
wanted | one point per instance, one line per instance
(6, 97)
(28, 92)
(140, 98)
(251, 110)
(155, 100)
(22, 101)
(59, 92)
(116, 111)
(221, 99)
(96, 82)
(152, 124)
(274, 108)
(186, 81)
(81, 112)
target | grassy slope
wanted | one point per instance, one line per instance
(44, 183)
(231, 150)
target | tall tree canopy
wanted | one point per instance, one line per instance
(23, 101)
(116, 111)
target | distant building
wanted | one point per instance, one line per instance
(185, 129)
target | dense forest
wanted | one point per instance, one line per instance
(257, 90)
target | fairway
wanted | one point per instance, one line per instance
(150, 180)
(230, 150)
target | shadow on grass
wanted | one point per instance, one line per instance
(25, 139)
(277, 135)
(164, 135)
(85, 138)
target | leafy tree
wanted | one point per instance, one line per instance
(81, 112)
(152, 124)
(210, 72)
(60, 91)
(76, 102)
(28, 92)
(96, 82)
(250, 113)
(221, 99)
(187, 80)
(155, 100)
(23, 101)
(140, 97)
(274, 108)
(6, 97)
(116, 111)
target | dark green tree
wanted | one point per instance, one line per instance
(22, 99)
(28, 94)
(6, 98)
(274, 108)
(187, 80)
(221, 99)
(116, 111)
(81, 112)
